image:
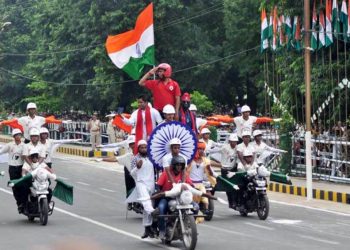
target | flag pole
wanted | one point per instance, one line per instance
(307, 67)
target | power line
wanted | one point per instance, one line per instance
(171, 23)
(128, 81)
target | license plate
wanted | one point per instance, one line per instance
(261, 183)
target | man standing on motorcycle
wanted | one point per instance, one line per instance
(15, 150)
(143, 172)
(177, 172)
(34, 143)
(246, 134)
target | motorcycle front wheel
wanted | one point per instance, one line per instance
(44, 211)
(189, 237)
(264, 208)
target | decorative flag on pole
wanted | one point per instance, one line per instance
(344, 19)
(275, 22)
(335, 18)
(281, 30)
(322, 27)
(271, 25)
(329, 34)
(288, 31)
(314, 33)
(264, 31)
(348, 32)
(134, 49)
(297, 33)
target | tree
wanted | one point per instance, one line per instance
(204, 105)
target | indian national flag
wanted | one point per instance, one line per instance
(288, 30)
(314, 33)
(133, 49)
(335, 18)
(329, 34)
(344, 19)
(322, 27)
(275, 23)
(264, 31)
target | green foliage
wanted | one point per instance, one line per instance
(204, 105)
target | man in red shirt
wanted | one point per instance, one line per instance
(164, 89)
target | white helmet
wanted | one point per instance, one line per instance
(186, 197)
(169, 109)
(33, 151)
(192, 107)
(175, 141)
(43, 130)
(34, 131)
(257, 132)
(245, 108)
(247, 152)
(233, 137)
(246, 132)
(16, 131)
(141, 142)
(130, 139)
(31, 105)
(205, 131)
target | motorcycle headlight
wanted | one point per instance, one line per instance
(186, 197)
(172, 205)
(262, 171)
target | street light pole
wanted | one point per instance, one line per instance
(307, 68)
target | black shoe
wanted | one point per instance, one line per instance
(148, 233)
(129, 206)
(20, 209)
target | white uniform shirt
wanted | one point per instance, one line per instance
(34, 166)
(51, 145)
(228, 156)
(244, 124)
(29, 146)
(14, 153)
(125, 160)
(197, 173)
(258, 148)
(167, 160)
(145, 174)
(247, 167)
(110, 128)
(28, 123)
(241, 147)
(155, 117)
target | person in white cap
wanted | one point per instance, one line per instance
(175, 145)
(168, 113)
(143, 172)
(26, 123)
(14, 150)
(245, 121)
(262, 150)
(250, 164)
(210, 144)
(111, 129)
(246, 136)
(51, 145)
(34, 143)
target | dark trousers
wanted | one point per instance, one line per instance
(49, 164)
(19, 193)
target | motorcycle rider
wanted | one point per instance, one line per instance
(34, 143)
(177, 172)
(15, 161)
(143, 172)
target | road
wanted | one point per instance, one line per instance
(97, 220)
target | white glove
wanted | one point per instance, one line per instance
(2, 173)
(53, 176)
(230, 174)
(67, 121)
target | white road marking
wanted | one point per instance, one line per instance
(83, 183)
(108, 190)
(319, 240)
(286, 222)
(307, 207)
(100, 224)
(259, 226)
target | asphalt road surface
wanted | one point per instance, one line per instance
(98, 219)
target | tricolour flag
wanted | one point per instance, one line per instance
(134, 49)
(264, 31)
(288, 31)
(314, 33)
(344, 19)
(335, 18)
(322, 27)
(329, 34)
(275, 23)
(297, 33)
(281, 30)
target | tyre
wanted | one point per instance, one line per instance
(264, 208)
(31, 218)
(211, 210)
(189, 237)
(44, 211)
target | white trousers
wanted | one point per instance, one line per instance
(144, 196)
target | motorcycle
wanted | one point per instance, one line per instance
(37, 204)
(180, 221)
(252, 196)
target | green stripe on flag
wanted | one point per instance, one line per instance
(135, 66)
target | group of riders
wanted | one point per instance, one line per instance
(153, 186)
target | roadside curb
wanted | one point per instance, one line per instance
(317, 194)
(73, 151)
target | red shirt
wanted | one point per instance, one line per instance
(165, 183)
(163, 94)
